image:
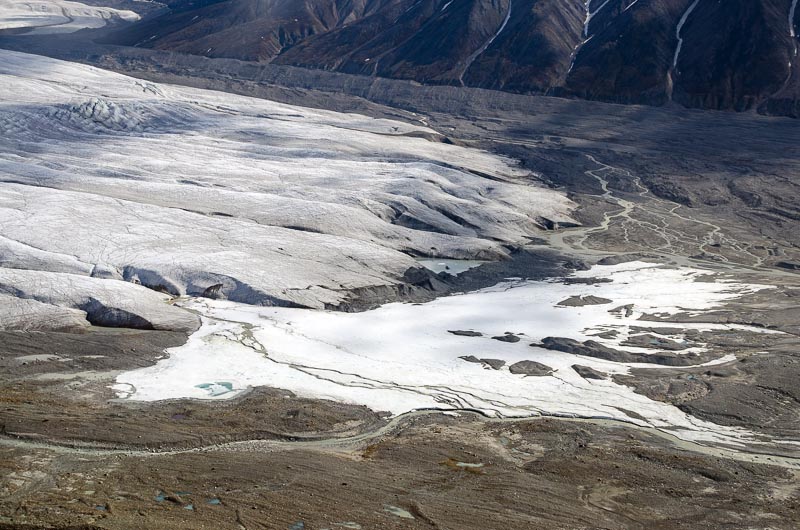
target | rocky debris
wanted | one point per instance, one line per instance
(264, 413)
(610, 334)
(584, 300)
(665, 331)
(507, 337)
(549, 224)
(325, 489)
(789, 265)
(527, 263)
(722, 371)
(466, 333)
(494, 364)
(591, 348)
(587, 348)
(648, 340)
(758, 392)
(577, 264)
(530, 368)
(671, 388)
(585, 281)
(625, 310)
(587, 372)
(631, 414)
(625, 258)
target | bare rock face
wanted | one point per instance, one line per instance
(507, 337)
(736, 54)
(591, 348)
(530, 368)
(587, 372)
(465, 333)
(250, 30)
(648, 340)
(494, 364)
(721, 55)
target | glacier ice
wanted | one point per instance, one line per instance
(197, 192)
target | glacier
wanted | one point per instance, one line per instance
(40, 17)
(196, 192)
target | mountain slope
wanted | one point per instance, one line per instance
(740, 54)
(253, 30)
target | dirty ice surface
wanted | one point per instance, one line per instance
(401, 357)
(58, 16)
(183, 190)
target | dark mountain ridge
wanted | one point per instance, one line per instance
(734, 55)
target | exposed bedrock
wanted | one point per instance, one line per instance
(530, 368)
(648, 340)
(759, 389)
(507, 337)
(494, 364)
(465, 333)
(587, 372)
(591, 348)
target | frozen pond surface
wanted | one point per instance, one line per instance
(450, 266)
(402, 357)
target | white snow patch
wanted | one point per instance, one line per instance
(401, 357)
(631, 5)
(678, 29)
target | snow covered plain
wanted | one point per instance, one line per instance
(193, 191)
(402, 357)
(57, 16)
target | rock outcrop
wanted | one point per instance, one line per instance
(530, 368)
